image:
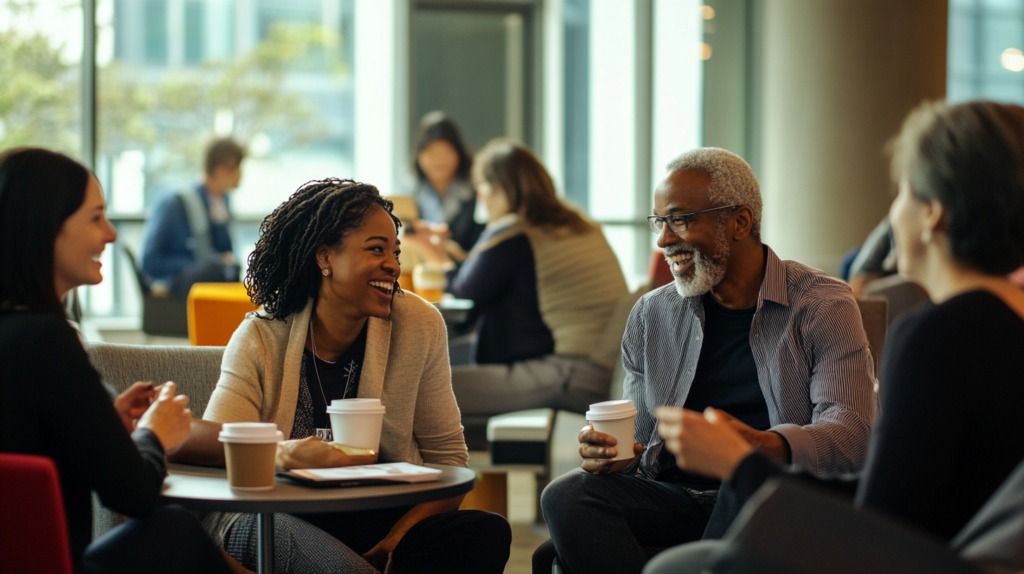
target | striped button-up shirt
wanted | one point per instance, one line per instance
(813, 365)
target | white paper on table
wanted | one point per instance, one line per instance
(395, 471)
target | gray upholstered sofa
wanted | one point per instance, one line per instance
(194, 369)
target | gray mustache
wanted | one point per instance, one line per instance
(677, 247)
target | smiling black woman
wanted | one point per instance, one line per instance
(335, 325)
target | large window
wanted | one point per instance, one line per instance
(40, 56)
(173, 74)
(986, 50)
(632, 97)
(582, 81)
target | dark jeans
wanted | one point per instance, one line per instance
(470, 541)
(613, 523)
(169, 540)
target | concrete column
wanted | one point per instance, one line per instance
(838, 78)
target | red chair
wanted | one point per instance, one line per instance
(33, 531)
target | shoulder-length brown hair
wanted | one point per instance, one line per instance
(510, 165)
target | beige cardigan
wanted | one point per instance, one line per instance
(405, 366)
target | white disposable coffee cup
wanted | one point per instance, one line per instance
(357, 422)
(249, 451)
(615, 418)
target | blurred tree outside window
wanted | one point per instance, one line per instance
(172, 75)
(40, 56)
(286, 95)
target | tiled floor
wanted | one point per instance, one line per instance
(527, 534)
(525, 539)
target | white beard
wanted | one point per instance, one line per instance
(708, 270)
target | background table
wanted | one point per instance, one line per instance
(454, 311)
(206, 489)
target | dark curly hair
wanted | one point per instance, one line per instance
(283, 273)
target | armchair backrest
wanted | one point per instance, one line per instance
(874, 314)
(194, 369)
(33, 531)
(996, 533)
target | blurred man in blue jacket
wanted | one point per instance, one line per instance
(188, 236)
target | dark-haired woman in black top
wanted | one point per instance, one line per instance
(443, 193)
(52, 404)
(951, 399)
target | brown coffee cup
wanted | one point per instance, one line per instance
(249, 451)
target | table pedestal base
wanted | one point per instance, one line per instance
(265, 543)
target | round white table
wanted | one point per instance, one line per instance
(206, 489)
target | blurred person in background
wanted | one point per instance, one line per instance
(544, 282)
(53, 230)
(873, 260)
(443, 193)
(188, 235)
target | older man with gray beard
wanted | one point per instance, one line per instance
(775, 346)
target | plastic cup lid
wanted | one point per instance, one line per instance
(611, 410)
(356, 406)
(250, 433)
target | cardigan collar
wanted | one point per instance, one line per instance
(375, 360)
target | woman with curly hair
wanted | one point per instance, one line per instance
(335, 325)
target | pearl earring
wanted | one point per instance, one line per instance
(326, 272)
(926, 235)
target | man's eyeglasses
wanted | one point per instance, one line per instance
(678, 222)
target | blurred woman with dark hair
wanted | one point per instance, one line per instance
(544, 281)
(949, 432)
(443, 194)
(52, 403)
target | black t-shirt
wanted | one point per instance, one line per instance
(327, 381)
(726, 379)
(726, 375)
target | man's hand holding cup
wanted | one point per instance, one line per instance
(604, 441)
(600, 452)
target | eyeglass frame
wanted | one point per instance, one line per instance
(653, 220)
